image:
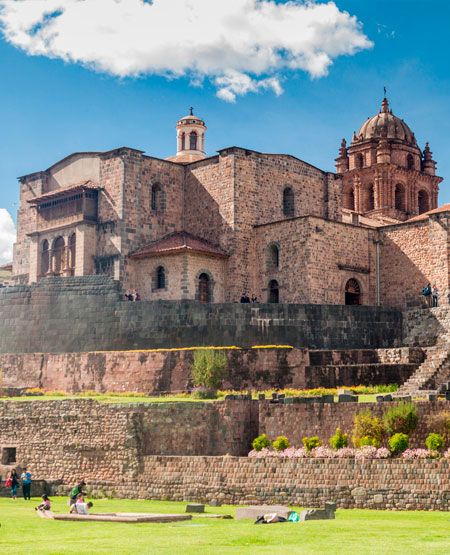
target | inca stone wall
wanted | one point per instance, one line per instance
(159, 372)
(151, 451)
(82, 314)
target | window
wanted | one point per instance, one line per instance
(352, 292)
(273, 257)
(288, 202)
(370, 198)
(400, 197)
(182, 141)
(274, 296)
(193, 141)
(45, 258)
(8, 455)
(160, 278)
(359, 161)
(349, 199)
(156, 197)
(410, 162)
(423, 202)
(203, 288)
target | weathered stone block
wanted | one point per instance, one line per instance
(255, 511)
(345, 398)
(195, 508)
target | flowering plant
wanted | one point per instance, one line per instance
(420, 454)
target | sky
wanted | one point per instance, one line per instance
(272, 76)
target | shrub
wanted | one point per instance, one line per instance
(367, 429)
(260, 442)
(311, 443)
(281, 443)
(34, 391)
(204, 393)
(339, 440)
(209, 368)
(434, 442)
(440, 423)
(398, 443)
(401, 419)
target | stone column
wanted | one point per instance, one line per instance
(66, 269)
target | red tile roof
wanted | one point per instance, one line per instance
(179, 242)
(424, 216)
(63, 191)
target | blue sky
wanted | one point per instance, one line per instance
(53, 107)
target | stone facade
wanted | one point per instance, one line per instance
(268, 225)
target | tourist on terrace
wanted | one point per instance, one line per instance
(26, 484)
(13, 483)
(427, 294)
(435, 296)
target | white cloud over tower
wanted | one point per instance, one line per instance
(240, 45)
(7, 236)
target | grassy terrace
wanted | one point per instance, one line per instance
(353, 532)
(366, 394)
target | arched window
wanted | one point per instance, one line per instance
(160, 278)
(45, 258)
(156, 197)
(352, 292)
(59, 256)
(288, 202)
(274, 295)
(349, 199)
(72, 253)
(359, 161)
(273, 257)
(203, 288)
(423, 202)
(410, 162)
(193, 141)
(370, 198)
(400, 197)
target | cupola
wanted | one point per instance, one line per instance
(190, 139)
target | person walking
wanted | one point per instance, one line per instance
(427, 294)
(13, 481)
(76, 491)
(26, 484)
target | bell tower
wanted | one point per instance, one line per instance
(190, 139)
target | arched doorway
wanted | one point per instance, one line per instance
(58, 256)
(423, 202)
(203, 288)
(352, 292)
(274, 294)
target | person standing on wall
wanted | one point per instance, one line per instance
(435, 296)
(427, 294)
(26, 483)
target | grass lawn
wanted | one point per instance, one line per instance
(22, 532)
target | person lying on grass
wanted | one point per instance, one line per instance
(81, 508)
(45, 505)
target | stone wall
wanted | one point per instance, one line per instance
(86, 313)
(169, 371)
(136, 450)
(425, 327)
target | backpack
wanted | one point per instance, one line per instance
(426, 290)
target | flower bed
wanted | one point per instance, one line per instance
(366, 452)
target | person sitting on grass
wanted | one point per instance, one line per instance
(80, 498)
(81, 508)
(77, 490)
(45, 505)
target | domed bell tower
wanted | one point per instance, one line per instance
(385, 176)
(190, 139)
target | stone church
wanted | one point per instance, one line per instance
(269, 225)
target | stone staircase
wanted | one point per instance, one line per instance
(432, 374)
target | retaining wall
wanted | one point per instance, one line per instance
(79, 314)
(164, 372)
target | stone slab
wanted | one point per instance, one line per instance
(124, 517)
(316, 514)
(195, 508)
(255, 511)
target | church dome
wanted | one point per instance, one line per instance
(385, 125)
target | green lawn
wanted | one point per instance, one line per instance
(353, 532)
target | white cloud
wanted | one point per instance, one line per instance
(241, 45)
(7, 236)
